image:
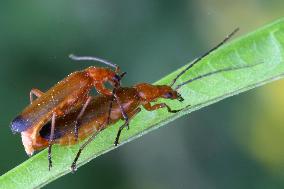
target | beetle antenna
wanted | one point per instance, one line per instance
(215, 72)
(204, 55)
(96, 59)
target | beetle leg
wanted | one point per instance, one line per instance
(126, 124)
(124, 115)
(117, 85)
(73, 166)
(150, 107)
(35, 92)
(109, 110)
(51, 140)
(110, 105)
(78, 119)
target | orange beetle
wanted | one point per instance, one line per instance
(71, 92)
(104, 110)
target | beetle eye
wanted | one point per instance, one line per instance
(116, 79)
(169, 95)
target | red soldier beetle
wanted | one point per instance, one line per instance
(103, 111)
(97, 114)
(69, 93)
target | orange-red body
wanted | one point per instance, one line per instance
(61, 99)
(96, 115)
(65, 104)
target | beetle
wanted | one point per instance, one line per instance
(98, 115)
(71, 92)
(105, 110)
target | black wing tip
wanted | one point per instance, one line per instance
(19, 124)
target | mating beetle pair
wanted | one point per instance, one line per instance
(67, 112)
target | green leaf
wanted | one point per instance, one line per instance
(265, 46)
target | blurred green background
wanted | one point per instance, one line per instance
(236, 143)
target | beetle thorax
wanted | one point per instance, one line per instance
(148, 92)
